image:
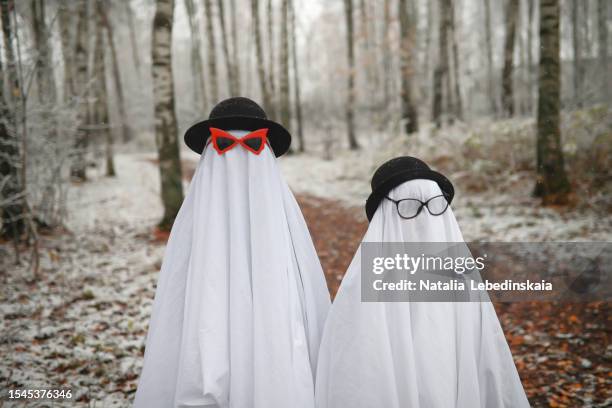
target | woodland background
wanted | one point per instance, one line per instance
(511, 99)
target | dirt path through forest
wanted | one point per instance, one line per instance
(83, 322)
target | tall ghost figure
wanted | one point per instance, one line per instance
(413, 354)
(241, 298)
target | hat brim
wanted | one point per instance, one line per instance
(396, 179)
(278, 137)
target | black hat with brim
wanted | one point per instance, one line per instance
(238, 113)
(399, 170)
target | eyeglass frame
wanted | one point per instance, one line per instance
(423, 204)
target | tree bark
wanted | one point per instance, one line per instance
(229, 63)
(458, 105)
(271, 70)
(197, 70)
(212, 51)
(134, 43)
(350, 100)
(285, 106)
(296, 81)
(507, 73)
(489, 52)
(79, 165)
(261, 68)
(12, 188)
(125, 127)
(552, 183)
(441, 71)
(407, 34)
(166, 129)
(65, 23)
(531, 7)
(576, 43)
(602, 17)
(44, 66)
(235, 45)
(100, 109)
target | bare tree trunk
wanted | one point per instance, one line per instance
(197, 70)
(296, 81)
(103, 14)
(134, 43)
(507, 74)
(166, 130)
(457, 85)
(44, 65)
(79, 164)
(65, 22)
(212, 51)
(602, 14)
(407, 38)
(283, 63)
(100, 108)
(387, 55)
(576, 43)
(441, 72)
(489, 50)
(529, 76)
(231, 72)
(271, 70)
(11, 185)
(261, 68)
(552, 184)
(350, 100)
(235, 45)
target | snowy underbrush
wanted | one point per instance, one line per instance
(491, 164)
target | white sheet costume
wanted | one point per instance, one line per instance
(241, 298)
(413, 355)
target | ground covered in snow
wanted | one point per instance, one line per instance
(82, 322)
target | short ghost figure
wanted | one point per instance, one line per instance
(241, 298)
(412, 354)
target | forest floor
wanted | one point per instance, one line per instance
(82, 322)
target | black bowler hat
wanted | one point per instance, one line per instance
(397, 171)
(238, 113)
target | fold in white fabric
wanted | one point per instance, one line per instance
(413, 354)
(241, 298)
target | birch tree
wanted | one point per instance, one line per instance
(576, 44)
(507, 74)
(458, 105)
(197, 70)
(102, 7)
(488, 37)
(552, 183)
(261, 68)
(225, 42)
(350, 99)
(81, 56)
(132, 29)
(296, 81)
(166, 129)
(441, 71)
(407, 34)
(285, 106)
(602, 22)
(212, 50)
(100, 109)
(271, 59)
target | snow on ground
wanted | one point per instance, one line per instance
(82, 323)
(504, 212)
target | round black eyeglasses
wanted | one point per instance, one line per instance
(409, 208)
